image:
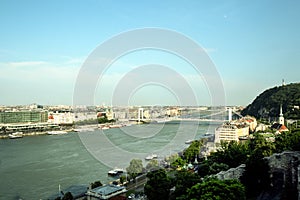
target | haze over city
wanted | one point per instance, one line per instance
(254, 45)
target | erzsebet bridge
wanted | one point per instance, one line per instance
(218, 116)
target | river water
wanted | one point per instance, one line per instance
(33, 167)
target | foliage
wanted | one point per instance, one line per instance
(256, 177)
(217, 189)
(172, 158)
(86, 122)
(231, 154)
(152, 165)
(179, 162)
(122, 179)
(193, 150)
(96, 184)
(267, 104)
(183, 181)
(103, 120)
(135, 168)
(68, 196)
(207, 167)
(288, 141)
(158, 185)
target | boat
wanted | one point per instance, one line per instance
(105, 128)
(84, 129)
(112, 173)
(116, 126)
(150, 157)
(15, 135)
(119, 170)
(188, 141)
(115, 171)
(57, 132)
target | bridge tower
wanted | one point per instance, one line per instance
(229, 114)
(140, 114)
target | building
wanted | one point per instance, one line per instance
(24, 116)
(230, 132)
(109, 192)
(61, 118)
(250, 121)
(279, 126)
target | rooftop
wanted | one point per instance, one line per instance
(107, 191)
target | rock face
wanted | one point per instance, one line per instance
(267, 104)
(233, 173)
(285, 175)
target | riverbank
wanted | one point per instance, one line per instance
(35, 133)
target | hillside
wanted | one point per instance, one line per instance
(267, 104)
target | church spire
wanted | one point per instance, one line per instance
(281, 118)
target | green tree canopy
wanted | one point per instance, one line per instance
(96, 184)
(193, 150)
(183, 181)
(267, 104)
(135, 168)
(158, 185)
(217, 189)
(152, 165)
(68, 196)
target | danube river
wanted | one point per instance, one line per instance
(33, 167)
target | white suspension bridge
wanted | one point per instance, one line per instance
(222, 115)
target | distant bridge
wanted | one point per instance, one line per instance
(207, 118)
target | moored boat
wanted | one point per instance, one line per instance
(57, 132)
(115, 171)
(83, 129)
(15, 135)
(189, 141)
(150, 157)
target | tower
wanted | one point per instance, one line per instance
(140, 114)
(229, 114)
(281, 118)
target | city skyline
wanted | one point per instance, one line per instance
(44, 44)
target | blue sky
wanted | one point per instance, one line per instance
(43, 44)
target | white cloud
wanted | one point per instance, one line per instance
(37, 81)
(26, 63)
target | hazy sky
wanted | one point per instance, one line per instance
(43, 44)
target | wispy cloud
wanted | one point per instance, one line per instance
(25, 63)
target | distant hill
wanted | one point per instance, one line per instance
(267, 104)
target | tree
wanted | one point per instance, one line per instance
(179, 162)
(68, 196)
(288, 141)
(152, 165)
(193, 150)
(231, 153)
(135, 168)
(170, 159)
(208, 167)
(122, 179)
(158, 185)
(217, 189)
(96, 184)
(183, 181)
(256, 177)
